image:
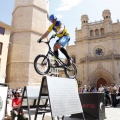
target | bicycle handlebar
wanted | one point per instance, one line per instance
(48, 40)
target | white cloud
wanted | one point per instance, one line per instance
(67, 4)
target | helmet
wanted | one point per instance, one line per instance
(52, 17)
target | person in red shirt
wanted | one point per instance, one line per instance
(16, 104)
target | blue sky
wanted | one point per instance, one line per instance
(70, 11)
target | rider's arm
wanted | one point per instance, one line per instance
(61, 28)
(45, 34)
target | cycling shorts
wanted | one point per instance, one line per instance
(63, 40)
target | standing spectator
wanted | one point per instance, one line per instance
(94, 89)
(113, 90)
(119, 91)
(13, 92)
(8, 94)
(84, 90)
(107, 96)
(80, 90)
(89, 89)
(101, 88)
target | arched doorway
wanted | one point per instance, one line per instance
(101, 81)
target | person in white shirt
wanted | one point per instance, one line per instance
(101, 88)
(84, 89)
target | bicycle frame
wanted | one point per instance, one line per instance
(53, 55)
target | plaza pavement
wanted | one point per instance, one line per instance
(110, 112)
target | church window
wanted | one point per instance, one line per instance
(102, 31)
(91, 33)
(96, 32)
(99, 51)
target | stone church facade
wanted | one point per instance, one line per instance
(96, 52)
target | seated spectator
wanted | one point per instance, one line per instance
(16, 107)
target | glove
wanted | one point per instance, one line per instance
(53, 36)
(39, 40)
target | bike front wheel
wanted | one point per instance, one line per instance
(71, 71)
(42, 64)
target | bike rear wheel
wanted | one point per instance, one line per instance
(71, 71)
(42, 64)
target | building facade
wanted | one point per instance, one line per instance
(29, 19)
(97, 43)
(5, 31)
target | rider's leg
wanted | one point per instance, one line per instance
(61, 43)
(56, 50)
(63, 50)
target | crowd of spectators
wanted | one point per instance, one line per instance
(11, 92)
(111, 93)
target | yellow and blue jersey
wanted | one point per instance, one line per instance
(56, 28)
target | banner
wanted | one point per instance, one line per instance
(3, 97)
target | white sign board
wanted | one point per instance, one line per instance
(33, 92)
(3, 97)
(64, 97)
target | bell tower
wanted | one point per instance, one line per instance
(84, 21)
(107, 21)
(108, 26)
(29, 20)
(106, 15)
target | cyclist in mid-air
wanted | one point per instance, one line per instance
(62, 34)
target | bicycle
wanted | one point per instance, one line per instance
(42, 63)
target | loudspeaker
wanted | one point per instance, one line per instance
(93, 106)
